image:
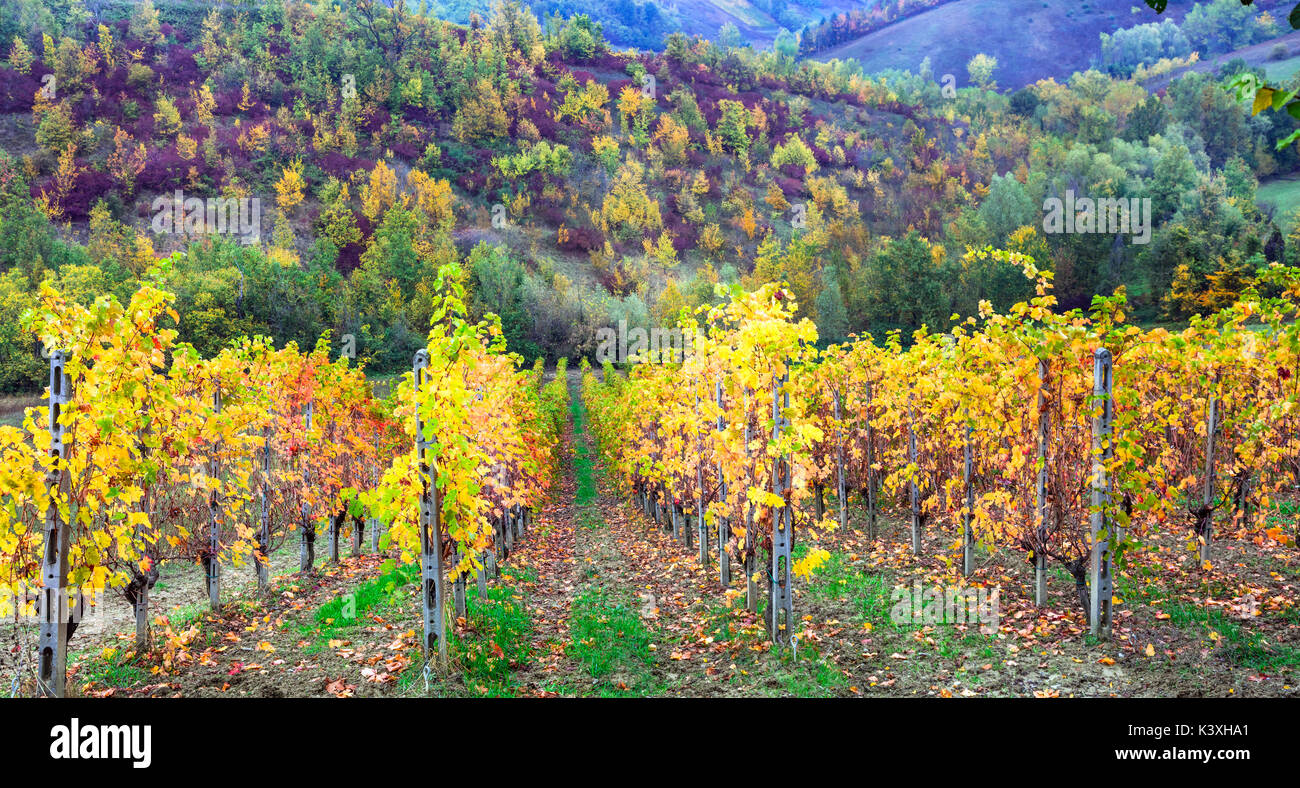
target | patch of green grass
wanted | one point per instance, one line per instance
(497, 635)
(612, 644)
(980, 645)
(111, 668)
(808, 678)
(1242, 647)
(585, 495)
(1279, 71)
(1284, 195)
(185, 615)
(499, 632)
(870, 594)
(346, 610)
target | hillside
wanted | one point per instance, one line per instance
(1032, 39)
(1263, 56)
(643, 23)
(577, 185)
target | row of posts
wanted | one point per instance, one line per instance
(57, 616)
(1101, 526)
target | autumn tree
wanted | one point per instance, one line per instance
(379, 193)
(981, 68)
(126, 161)
(733, 126)
(146, 25)
(289, 189)
(482, 115)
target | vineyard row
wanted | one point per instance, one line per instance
(148, 453)
(1072, 437)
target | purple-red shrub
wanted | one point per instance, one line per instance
(163, 170)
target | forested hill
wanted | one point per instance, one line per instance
(579, 184)
(644, 23)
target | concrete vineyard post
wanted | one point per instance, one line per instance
(482, 576)
(55, 625)
(868, 438)
(141, 609)
(702, 529)
(431, 577)
(724, 525)
(1099, 612)
(307, 537)
(214, 511)
(336, 525)
(751, 564)
(914, 488)
(372, 522)
(968, 511)
(781, 590)
(1207, 497)
(263, 558)
(1040, 535)
(142, 580)
(841, 493)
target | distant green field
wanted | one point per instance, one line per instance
(1283, 194)
(1281, 70)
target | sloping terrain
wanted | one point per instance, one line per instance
(1032, 39)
